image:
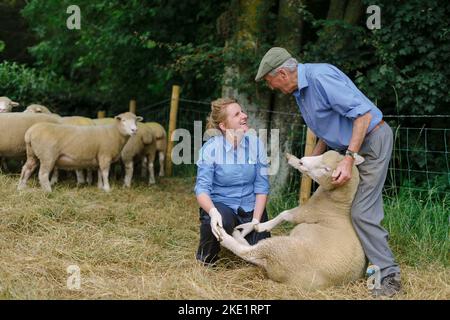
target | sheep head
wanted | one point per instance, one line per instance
(37, 108)
(320, 168)
(7, 104)
(127, 123)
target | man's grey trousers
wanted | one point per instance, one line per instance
(367, 207)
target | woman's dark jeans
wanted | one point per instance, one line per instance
(209, 246)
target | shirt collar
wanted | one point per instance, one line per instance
(229, 146)
(301, 75)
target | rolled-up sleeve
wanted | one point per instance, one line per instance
(341, 98)
(205, 170)
(261, 185)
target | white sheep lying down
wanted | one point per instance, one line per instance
(323, 249)
(76, 147)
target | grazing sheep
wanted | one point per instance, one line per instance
(323, 249)
(37, 108)
(76, 147)
(102, 121)
(141, 145)
(159, 133)
(76, 121)
(6, 104)
(14, 125)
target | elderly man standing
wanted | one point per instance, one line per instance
(344, 119)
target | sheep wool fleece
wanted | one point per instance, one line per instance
(367, 207)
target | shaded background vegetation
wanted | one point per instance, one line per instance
(139, 49)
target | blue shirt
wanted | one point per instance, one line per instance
(329, 103)
(233, 176)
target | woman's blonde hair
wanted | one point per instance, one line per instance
(218, 112)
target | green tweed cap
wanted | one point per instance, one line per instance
(273, 58)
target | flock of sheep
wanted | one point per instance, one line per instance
(77, 143)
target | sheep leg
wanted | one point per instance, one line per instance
(89, 176)
(151, 168)
(129, 168)
(161, 163)
(4, 166)
(287, 215)
(104, 167)
(55, 176)
(237, 235)
(27, 170)
(80, 177)
(100, 179)
(244, 251)
(44, 173)
(143, 167)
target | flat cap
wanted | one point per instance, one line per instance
(273, 58)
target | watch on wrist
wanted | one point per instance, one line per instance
(351, 154)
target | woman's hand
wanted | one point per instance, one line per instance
(216, 222)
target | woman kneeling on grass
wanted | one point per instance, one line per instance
(232, 183)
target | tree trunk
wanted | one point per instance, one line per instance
(289, 36)
(249, 19)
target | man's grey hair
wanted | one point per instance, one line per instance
(290, 64)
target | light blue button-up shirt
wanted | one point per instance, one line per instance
(329, 103)
(233, 176)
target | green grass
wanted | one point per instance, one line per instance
(419, 227)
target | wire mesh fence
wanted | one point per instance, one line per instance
(420, 159)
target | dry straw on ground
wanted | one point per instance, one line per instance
(139, 244)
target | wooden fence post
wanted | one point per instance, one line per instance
(305, 187)
(133, 106)
(172, 126)
(101, 114)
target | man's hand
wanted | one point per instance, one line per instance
(343, 172)
(216, 222)
(248, 227)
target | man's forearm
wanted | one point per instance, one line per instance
(360, 126)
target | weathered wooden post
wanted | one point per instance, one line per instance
(305, 187)
(172, 126)
(133, 106)
(101, 114)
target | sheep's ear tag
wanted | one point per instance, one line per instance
(358, 160)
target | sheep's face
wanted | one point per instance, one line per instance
(127, 123)
(7, 104)
(36, 108)
(319, 168)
